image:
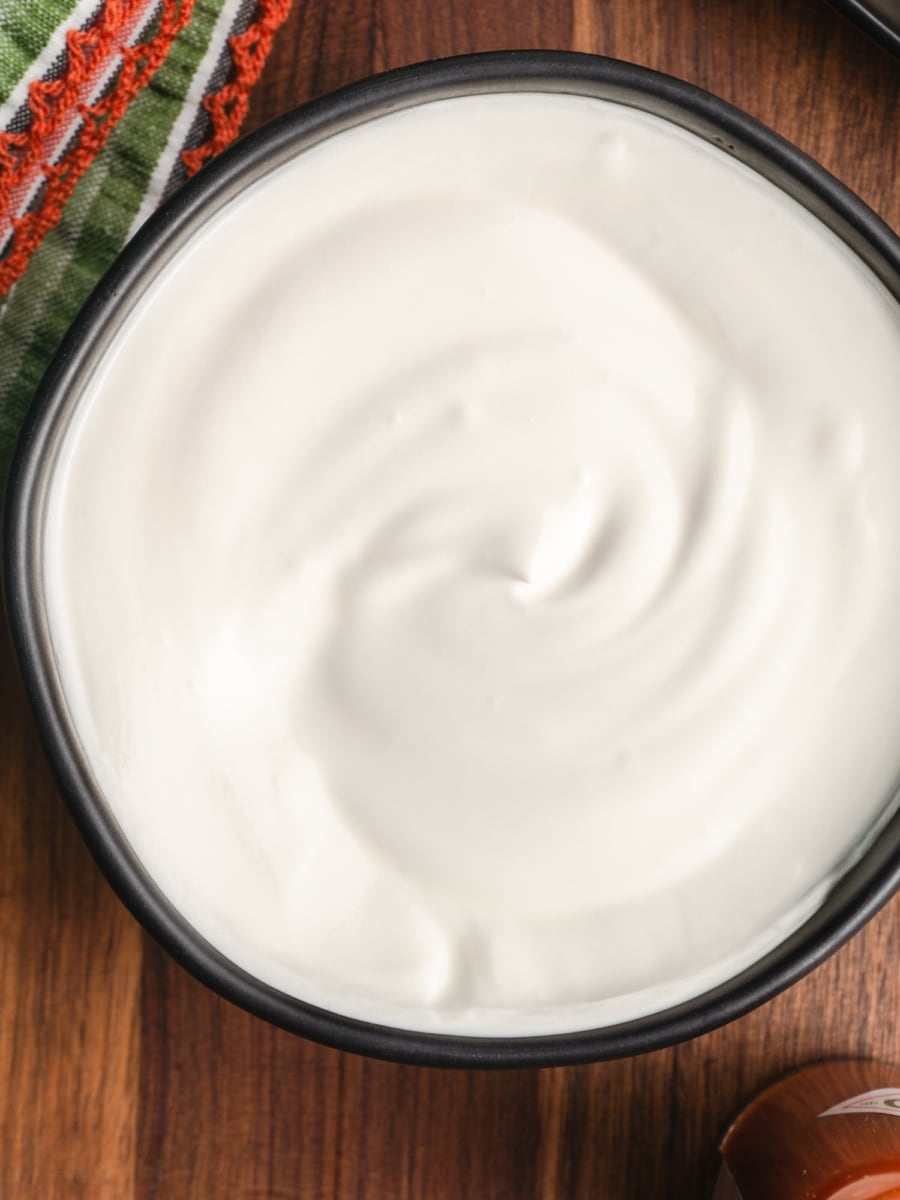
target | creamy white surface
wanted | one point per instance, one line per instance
(474, 571)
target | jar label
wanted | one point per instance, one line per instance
(881, 1100)
(726, 1188)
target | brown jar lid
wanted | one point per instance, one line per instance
(830, 1131)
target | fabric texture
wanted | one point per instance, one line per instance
(106, 107)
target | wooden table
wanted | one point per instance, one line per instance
(122, 1078)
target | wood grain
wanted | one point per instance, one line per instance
(123, 1078)
(70, 973)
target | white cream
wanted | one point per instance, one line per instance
(474, 570)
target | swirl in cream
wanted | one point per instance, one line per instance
(479, 614)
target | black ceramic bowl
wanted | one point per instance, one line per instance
(879, 18)
(857, 895)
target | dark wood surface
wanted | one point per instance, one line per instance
(123, 1079)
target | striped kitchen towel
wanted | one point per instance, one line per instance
(106, 106)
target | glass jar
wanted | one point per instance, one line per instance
(830, 1131)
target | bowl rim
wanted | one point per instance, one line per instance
(873, 20)
(859, 892)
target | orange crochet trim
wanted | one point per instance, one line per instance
(56, 104)
(228, 107)
(53, 103)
